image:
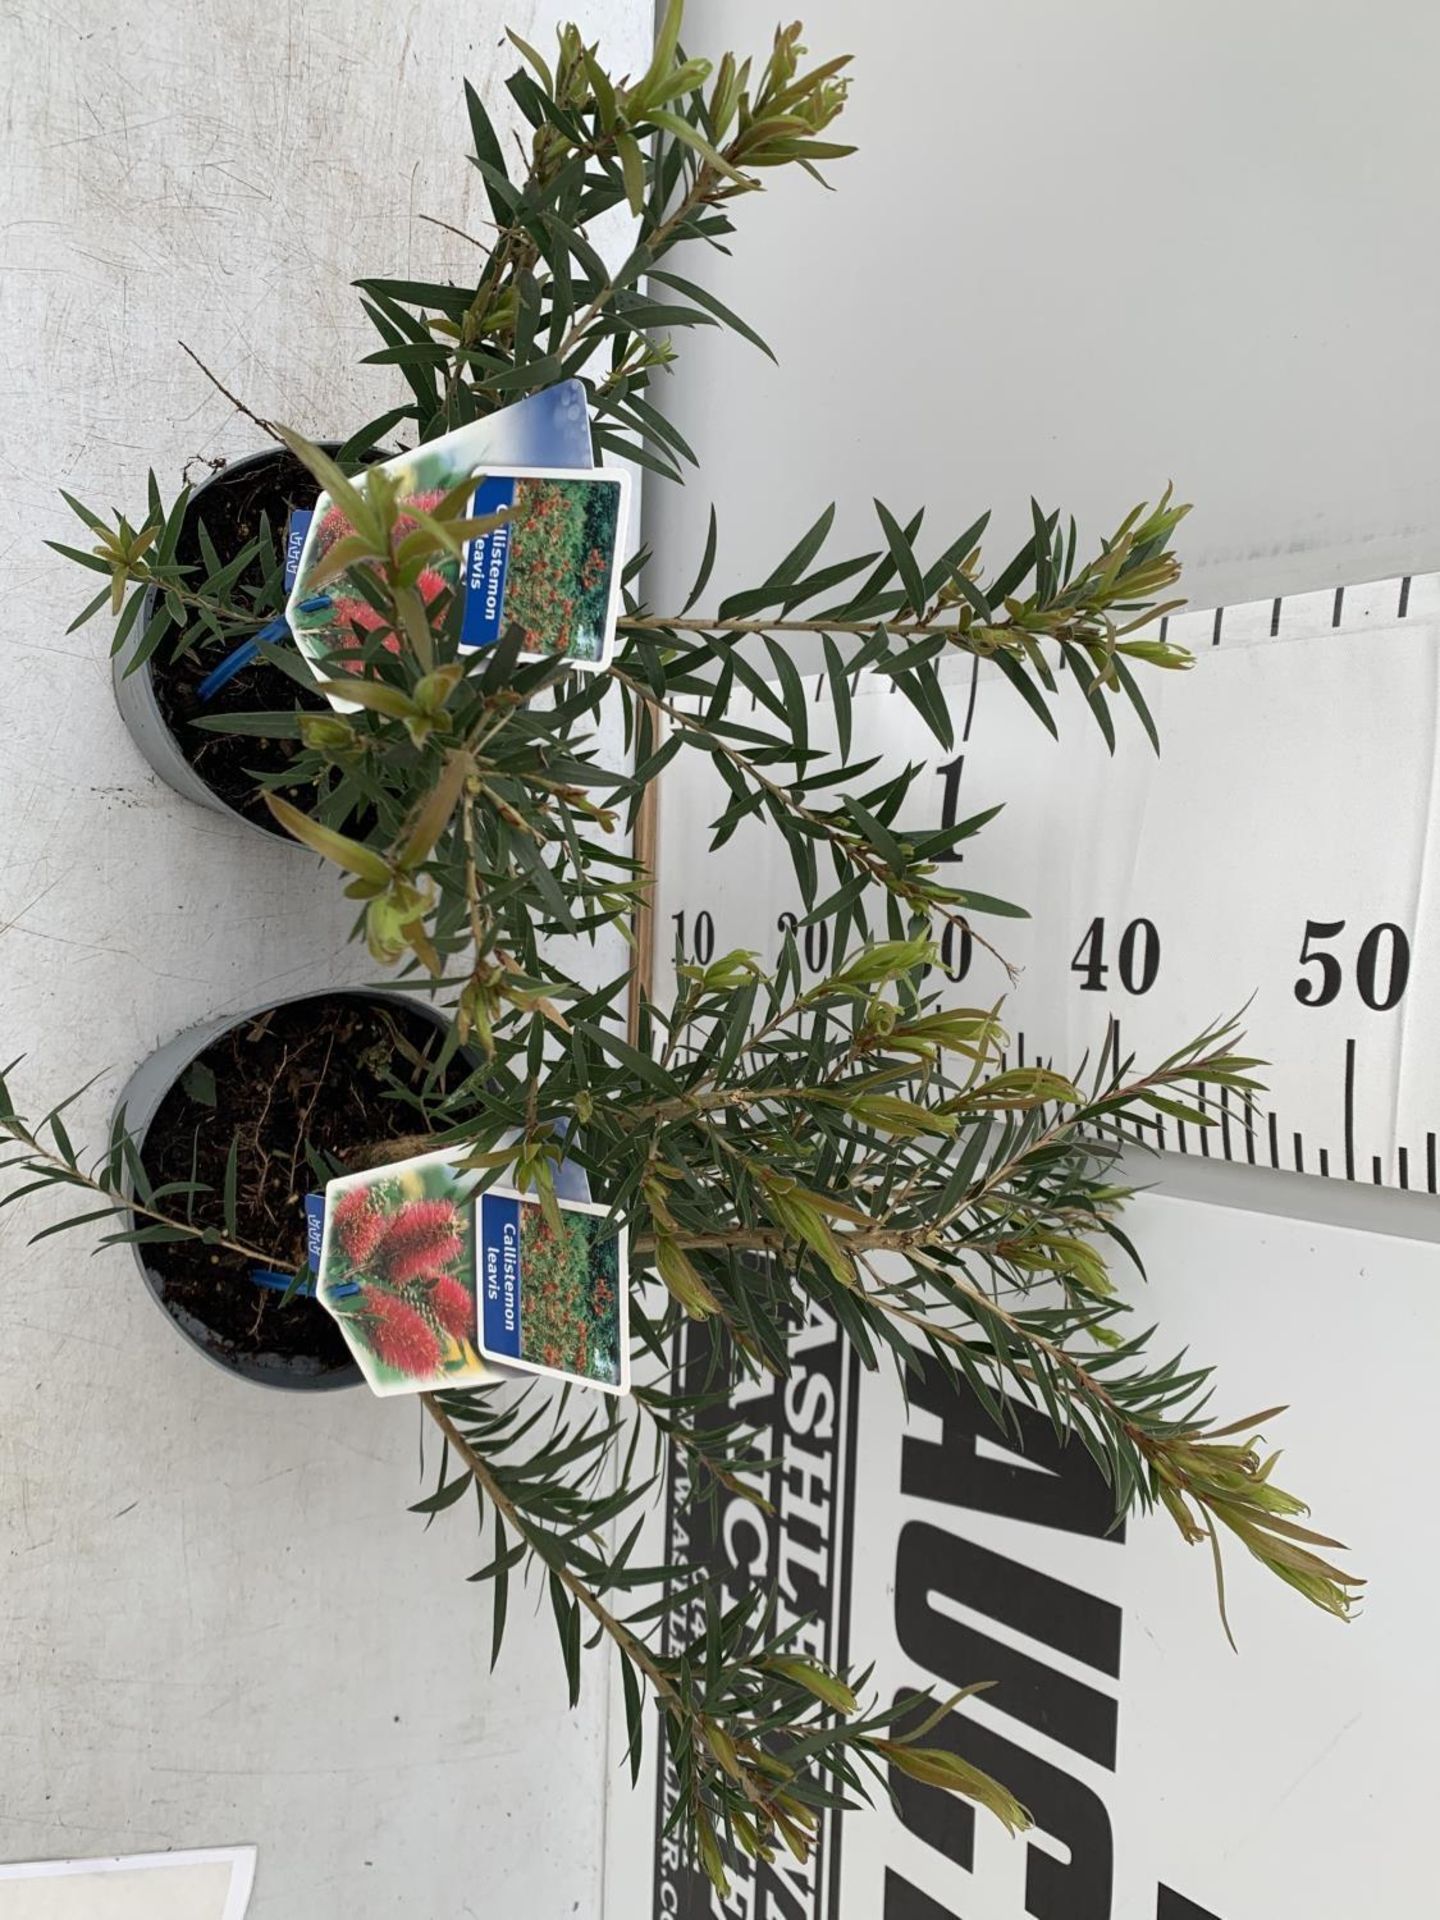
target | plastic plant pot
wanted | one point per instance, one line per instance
(205, 1309)
(158, 697)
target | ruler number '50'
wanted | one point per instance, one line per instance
(1379, 989)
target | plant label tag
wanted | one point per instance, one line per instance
(314, 1229)
(333, 628)
(551, 567)
(554, 1302)
(297, 532)
(397, 1272)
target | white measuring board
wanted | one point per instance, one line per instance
(1278, 852)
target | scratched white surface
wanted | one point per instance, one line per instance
(217, 1622)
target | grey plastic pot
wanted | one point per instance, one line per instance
(140, 709)
(148, 728)
(140, 1100)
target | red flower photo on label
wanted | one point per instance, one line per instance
(397, 1271)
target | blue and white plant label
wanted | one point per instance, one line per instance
(314, 1229)
(545, 436)
(553, 1302)
(551, 567)
(297, 531)
(487, 565)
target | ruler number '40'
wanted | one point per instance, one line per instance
(1137, 958)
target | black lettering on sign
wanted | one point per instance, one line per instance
(1054, 1485)
(957, 949)
(909, 1903)
(904, 1902)
(1381, 987)
(1397, 972)
(781, 1901)
(950, 802)
(1139, 957)
(815, 936)
(931, 1562)
(703, 951)
(1088, 959)
(1064, 1810)
(796, 1549)
(1035, 1603)
(1171, 1906)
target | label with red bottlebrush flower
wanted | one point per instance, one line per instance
(562, 591)
(397, 1271)
(554, 1289)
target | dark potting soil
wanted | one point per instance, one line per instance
(230, 507)
(314, 1074)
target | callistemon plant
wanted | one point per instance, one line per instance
(777, 1146)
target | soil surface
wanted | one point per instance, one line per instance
(315, 1077)
(230, 507)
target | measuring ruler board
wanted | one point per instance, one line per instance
(1279, 856)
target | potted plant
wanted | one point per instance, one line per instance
(206, 579)
(196, 582)
(235, 1125)
(774, 1146)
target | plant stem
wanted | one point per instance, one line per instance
(859, 856)
(122, 1203)
(633, 1648)
(654, 244)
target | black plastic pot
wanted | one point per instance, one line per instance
(158, 699)
(142, 1098)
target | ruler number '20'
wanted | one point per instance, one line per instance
(813, 940)
(1386, 939)
(1137, 959)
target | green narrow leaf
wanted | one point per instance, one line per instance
(722, 313)
(839, 694)
(230, 1190)
(445, 1496)
(528, 52)
(75, 1220)
(877, 835)
(793, 689)
(92, 520)
(198, 1081)
(487, 149)
(502, 1590)
(1027, 690)
(903, 554)
(1136, 699)
(958, 550)
(632, 166)
(682, 131)
(804, 551)
(101, 599)
(334, 482)
(634, 1716)
(350, 854)
(707, 563)
(567, 1621)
